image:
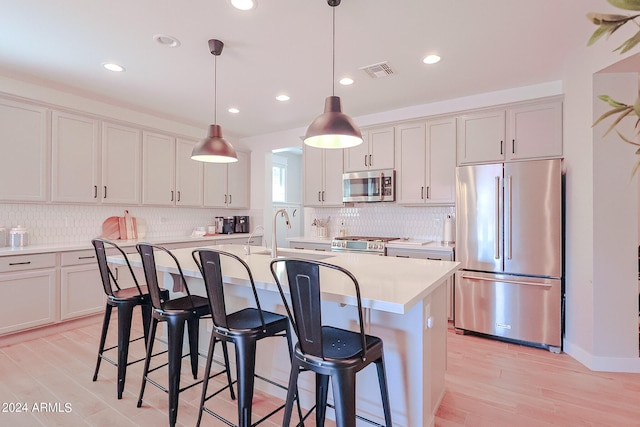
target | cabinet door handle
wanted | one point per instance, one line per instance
(427, 192)
(319, 196)
(435, 259)
(323, 195)
(230, 199)
(95, 191)
(402, 256)
(422, 192)
(370, 160)
(365, 160)
(105, 192)
(513, 146)
(87, 257)
(295, 247)
(319, 249)
(501, 153)
(172, 195)
(20, 263)
(178, 195)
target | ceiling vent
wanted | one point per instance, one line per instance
(379, 70)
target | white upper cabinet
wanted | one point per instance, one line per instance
(481, 137)
(74, 155)
(426, 160)
(519, 132)
(322, 176)
(121, 153)
(226, 185)
(158, 169)
(375, 152)
(535, 131)
(24, 175)
(189, 175)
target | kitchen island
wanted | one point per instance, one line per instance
(404, 303)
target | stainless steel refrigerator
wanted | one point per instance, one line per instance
(509, 242)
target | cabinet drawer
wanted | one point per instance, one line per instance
(419, 253)
(87, 256)
(26, 262)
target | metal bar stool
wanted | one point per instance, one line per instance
(330, 352)
(125, 300)
(243, 328)
(176, 312)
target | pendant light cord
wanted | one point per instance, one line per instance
(215, 89)
(333, 65)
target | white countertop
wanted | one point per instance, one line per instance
(387, 284)
(64, 247)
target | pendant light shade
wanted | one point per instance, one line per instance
(214, 148)
(333, 128)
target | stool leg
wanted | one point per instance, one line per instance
(290, 346)
(245, 365)
(147, 359)
(225, 351)
(103, 338)
(125, 314)
(344, 398)
(175, 326)
(322, 389)
(193, 327)
(146, 310)
(384, 391)
(292, 393)
(207, 373)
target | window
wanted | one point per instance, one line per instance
(279, 183)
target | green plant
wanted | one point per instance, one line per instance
(609, 24)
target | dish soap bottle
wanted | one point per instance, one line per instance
(343, 230)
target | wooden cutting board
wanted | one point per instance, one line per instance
(111, 228)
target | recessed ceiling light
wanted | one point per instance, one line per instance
(283, 97)
(346, 81)
(112, 66)
(431, 59)
(233, 110)
(244, 4)
(167, 41)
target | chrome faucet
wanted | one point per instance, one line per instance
(247, 248)
(274, 241)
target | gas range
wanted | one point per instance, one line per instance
(364, 244)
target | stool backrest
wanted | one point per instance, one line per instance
(108, 279)
(209, 261)
(151, 274)
(303, 277)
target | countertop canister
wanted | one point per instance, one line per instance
(3, 237)
(18, 237)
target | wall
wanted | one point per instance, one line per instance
(601, 329)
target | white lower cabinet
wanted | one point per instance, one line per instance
(28, 289)
(81, 292)
(434, 255)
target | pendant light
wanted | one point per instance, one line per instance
(333, 128)
(214, 148)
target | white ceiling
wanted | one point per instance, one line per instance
(285, 46)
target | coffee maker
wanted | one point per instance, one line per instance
(242, 224)
(228, 225)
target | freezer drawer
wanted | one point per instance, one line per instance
(512, 307)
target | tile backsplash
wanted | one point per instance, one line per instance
(53, 224)
(382, 220)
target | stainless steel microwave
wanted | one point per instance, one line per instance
(369, 186)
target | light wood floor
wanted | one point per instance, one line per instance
(488, 383)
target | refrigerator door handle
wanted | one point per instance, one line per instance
(514, 282)
(509, 217)
(497, 224)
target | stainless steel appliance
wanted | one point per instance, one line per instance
(228, 225)
(509, 242)
(362, 244)
(369, 186)
(242, 224)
